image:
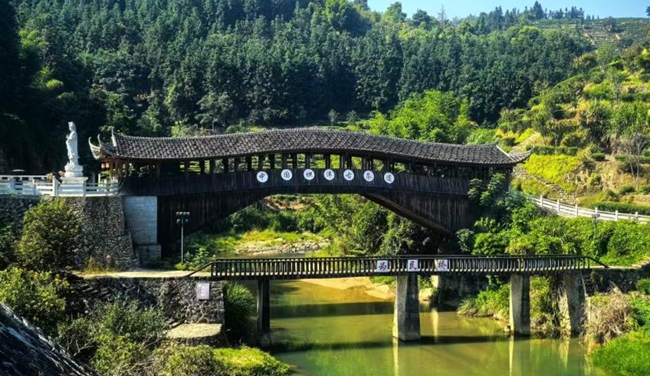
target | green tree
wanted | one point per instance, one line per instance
(51, 237)
(37, 296)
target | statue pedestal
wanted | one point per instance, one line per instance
(72, 186)
(73, 170)
(80, 181)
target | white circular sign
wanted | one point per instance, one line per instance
(369, 176)
(389, 177)
(286, 175)
(262, 177)
(329, 174)
(348, 175)
(309, 174)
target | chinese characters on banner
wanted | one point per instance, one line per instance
(382, 266)
(348, 175)
(412, 266)
(262, 177)
(309, 174)
(329, 174)
(369, 176)
(442, 265)
(286, 174)
(389, 177)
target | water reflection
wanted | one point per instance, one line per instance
(324, 331)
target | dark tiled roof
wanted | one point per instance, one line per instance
(300, 140)
(24, 350)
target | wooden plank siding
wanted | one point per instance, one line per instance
(246, 181)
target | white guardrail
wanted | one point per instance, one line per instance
(573, 211)
(41, 185)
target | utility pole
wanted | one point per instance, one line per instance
(182, 218)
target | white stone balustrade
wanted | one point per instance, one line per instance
(41, 185)
(573, 211)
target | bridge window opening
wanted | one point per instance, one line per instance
(300, 161)
(357, 163)
(307, 160)
(261, 159)
(418, 169)
(284, 163)
(249, 163)
(318, 161)
(218, 166)
(237, 165)
(398, 167)
(294, 160)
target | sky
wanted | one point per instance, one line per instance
(463, 8)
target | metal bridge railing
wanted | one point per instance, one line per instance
(331, 267)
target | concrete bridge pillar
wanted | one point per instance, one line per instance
(406, 319)
(263, 313)
(572, 302)
(520, 305)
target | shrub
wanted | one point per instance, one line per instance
(119, 356)
(508, 141)
(625, 163)
(643, 285)
(8, 237)
(626, 189)
(492, 302)
(239, 305)
(37, 296)
(250, 362)
(627, 355)
(204, 360)
(641, 309)
(51, 237)
(594, 180)
(188, 361)
(645, 189)
(629, 244)
(623, 207)
(598, 157)
(115, 336)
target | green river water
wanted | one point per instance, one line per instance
(326, 331)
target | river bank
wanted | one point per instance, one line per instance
(376, 290)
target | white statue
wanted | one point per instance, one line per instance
(72, 168)
(71, 143)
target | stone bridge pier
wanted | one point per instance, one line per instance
(572, 298)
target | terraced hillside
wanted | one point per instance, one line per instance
(616, 32)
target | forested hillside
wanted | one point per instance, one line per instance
(163, 67)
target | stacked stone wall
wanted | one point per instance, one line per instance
(12, 209)
(108, 243)
(176, 297)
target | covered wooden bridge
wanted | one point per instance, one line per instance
(212, 177)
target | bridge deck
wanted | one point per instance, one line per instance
(334, 267)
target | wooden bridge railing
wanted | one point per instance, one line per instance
(333, 267)
(298, 180)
